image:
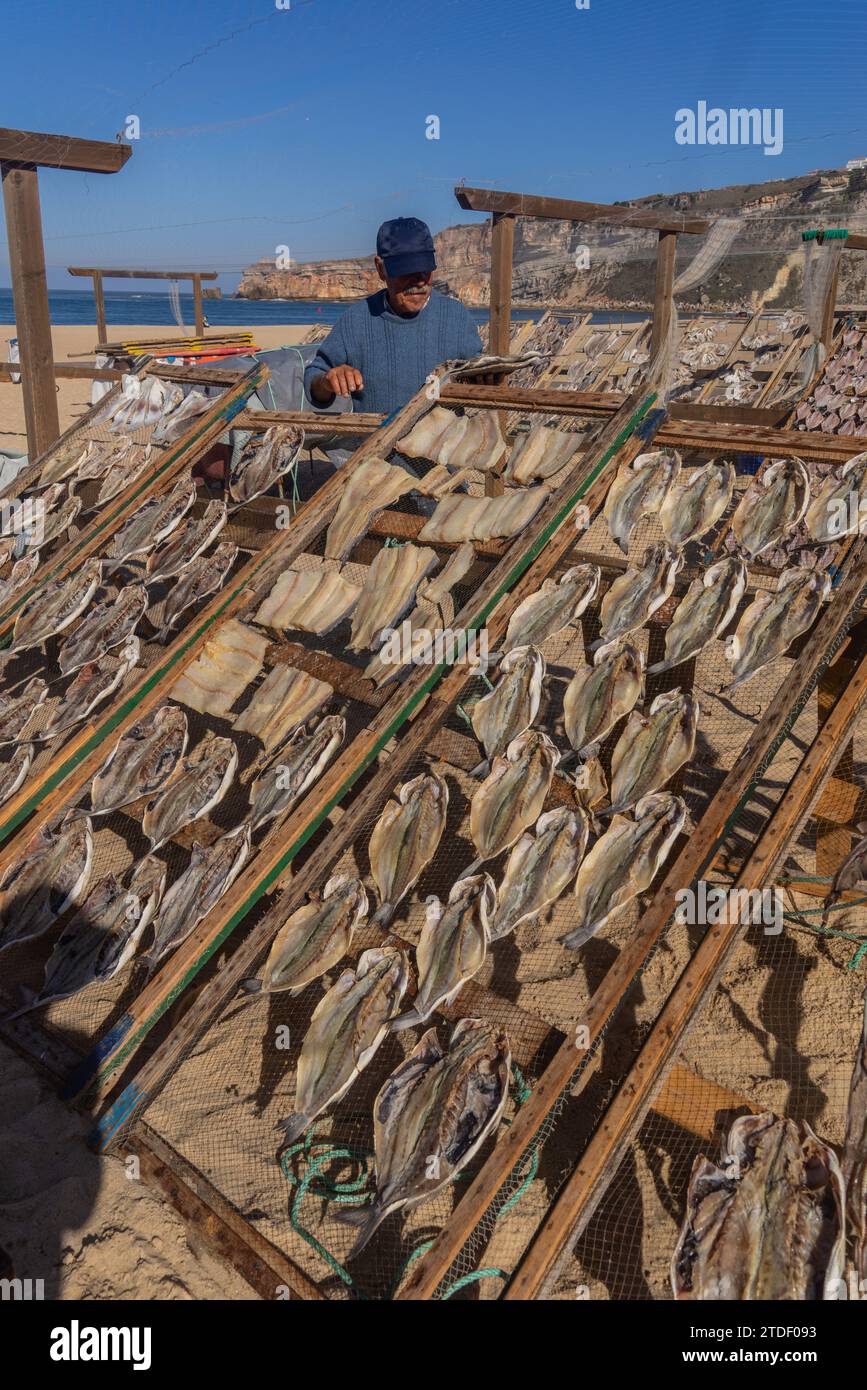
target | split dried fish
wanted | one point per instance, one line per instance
(836, 510)
(203, 577)
(302, 763)
(309, 600)
(372, 485)
(773, 620)
(155, 519)
(459, 517)
(64, 461)
(174, 426)
(639, 490)
(97, 460)
(124, 470)
(53, 608)
(431, 1118)
(284, 701)
(142, 402)
(104, 934)
(652, 747)
(264, 460)
(452, 946)
(704, 612)
(513, 704)
(14, 770)
(405, 839)
(635, 596)
(55, 521)
(425, 436)
(51, 875)
(696, 502)
(771, 507)
(17, 710)
(541, 453)
(600, 695)
(107, 625)
(22, 570)
(434, 611)
(229, 661)
(189, 540)
(93, 684)
(141, 762)
(210, 874)
(389, 589)
(540, 867)
(768, 1223)
(313, 939)
(624, 862)
(195, 789)
(348, 1025)
(512, 795)
(553, 607)
(479, 445)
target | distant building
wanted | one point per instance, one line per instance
(860, 163)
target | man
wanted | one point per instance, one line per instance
(382, 349)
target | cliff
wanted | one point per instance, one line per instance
(764, 266)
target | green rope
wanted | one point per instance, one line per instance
(473, 1279)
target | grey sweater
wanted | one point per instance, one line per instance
(394, 354)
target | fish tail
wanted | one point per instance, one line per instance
(481, 769)
(292, 1128)
(33, 1003)
(407, 1020)
(573, 939)
(470, 869)
(657, 668)
(368, 1219)
(382, 916)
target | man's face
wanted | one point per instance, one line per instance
(407, 293)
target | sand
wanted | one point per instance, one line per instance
(74, 396)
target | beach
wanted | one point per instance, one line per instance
(72, 340)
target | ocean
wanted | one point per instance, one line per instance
(76, 306)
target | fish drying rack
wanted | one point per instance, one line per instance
(180, 1075)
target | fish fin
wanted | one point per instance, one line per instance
(373, 1218)
(407, 1020)
(382, 916)
(292, 1128)
(573, 939)
(352, 1216)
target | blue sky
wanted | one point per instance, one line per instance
(263, 127)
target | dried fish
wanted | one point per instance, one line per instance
(51, 875)
(452, 946)
(284, 701)
(54, 522)
(599, 696)
(541, 453)
(553, 607)
(372, 485)
(93, 684)
(17, 710)
(195, 789)
(313, 939)
(635, 596)
(512, 795)
(405, 839)
(97, 460)
(771, 507)
(53, 608)
(189, 540)
(624, 862)
(540, 867)
(141, 762)
(347, 1027)
(836, 510)
(704, 612)
(22, 570)
(155, 519)
(309, 600)
(174, 426)
(513, 704)
(425, 436)
(64, 460)
(855, 1152)
(768, 1223)
(142, 401)
(434, 611)
(282, 785)
(431, 1118)
(14, 770)
(229, 661)
(459, 517)
(773, 620)
(125, 469)
(202, 577)
(107, 625)
(103, 935)
(652, 747)
(264, 460)
(210, 873)
(480, 444)
(389, 589)
(639, 490)
(696, 502)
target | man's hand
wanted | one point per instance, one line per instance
(340, 381)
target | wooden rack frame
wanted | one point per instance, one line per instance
(116, 273)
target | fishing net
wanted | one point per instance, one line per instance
(175, 305)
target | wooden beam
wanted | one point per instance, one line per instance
(197, 304)
(311, 422)
(663, 303)
(567, 210)
(68, 371)
(502, 248)
(30, 296)
(32, 148)
(99, 301)
(827, 334)
(112, 273)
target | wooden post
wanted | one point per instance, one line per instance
(99, 300)
(663, 306)
(30, 297)
(197, 300)
(828, 309)
(502, 247)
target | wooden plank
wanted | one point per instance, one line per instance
(568, 210)
(197, 304)
(502, 249)
(69, 372)
(695, 1104)
(310, 421)
(663, 301)
(31, 147)
(585, 1187)
(99, 302)
(30, 297)
(115, 273)
(686, 867)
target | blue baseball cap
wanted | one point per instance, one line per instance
(405, 246)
